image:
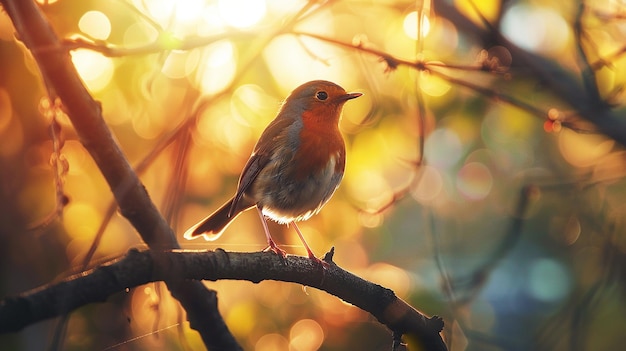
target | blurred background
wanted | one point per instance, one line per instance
(472, 189)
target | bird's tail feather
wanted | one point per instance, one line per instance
(213, 225)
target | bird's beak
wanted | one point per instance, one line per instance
(347, 97)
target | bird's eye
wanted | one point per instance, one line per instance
(321, 95)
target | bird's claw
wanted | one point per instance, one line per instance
(319, 261)
(271, 246)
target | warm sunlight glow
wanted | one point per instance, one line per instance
(583, 150)
(77, 157)
(159, 10)
(139, 33)
(433, 85)
(167, 12)
(472, 183)
(95, 70)
(306, 335)
(411, 28)
(293, 61)
(238, 318)
(242, 13)
(180, 64)
(217, 67)
(81, 219)
(95, 24)
(390, 276)
(476, 10)
(189, 10)
(218, 127)
(271, 342)
(253, 107)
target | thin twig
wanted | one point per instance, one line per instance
(587, 71)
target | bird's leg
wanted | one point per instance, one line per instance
(306, 246)
(271, 246)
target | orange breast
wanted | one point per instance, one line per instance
(320, 140)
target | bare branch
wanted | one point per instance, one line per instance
(141, 267)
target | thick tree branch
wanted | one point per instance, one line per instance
(85, 113)
(138, 268)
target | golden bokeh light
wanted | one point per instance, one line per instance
(338, 313)
(371, 219)
(274, 295)
(355, 114)
(179, 17)
(396, 40)
(339, 217)
(139, 33)
(305, 335)
(95, 69)
(161, 113)
(291, 62)
(390, 276)
(350, 252)
(77, 157)
(239, 318)
(583, 150)
(217, 127)
(253, 107)
(369, 187)
(272, 342)
(179, 64)
(433, 85)
(81, 219)
(411, 27)
(217, 67)
(204, 177)
(95, 24)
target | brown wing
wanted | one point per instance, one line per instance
(261, 155)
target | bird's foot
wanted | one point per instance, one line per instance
(271, 246)
(319, 261)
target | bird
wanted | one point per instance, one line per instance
(295, 166)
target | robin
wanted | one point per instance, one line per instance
(296, 166)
